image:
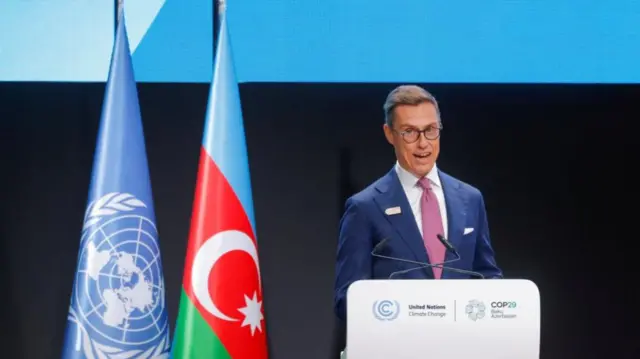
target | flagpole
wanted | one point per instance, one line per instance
(218, 11)
(116, 15)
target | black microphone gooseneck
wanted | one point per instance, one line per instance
(422, 265)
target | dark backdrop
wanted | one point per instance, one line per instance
(554, 163)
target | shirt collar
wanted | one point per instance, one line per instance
(409, 180)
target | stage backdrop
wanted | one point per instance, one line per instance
(71, 40)
(553, 163)
(459, 41)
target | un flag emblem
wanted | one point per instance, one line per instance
(386, 309)
(118, 296)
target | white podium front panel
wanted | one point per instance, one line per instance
(452, 319)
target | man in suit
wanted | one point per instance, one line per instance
(410, 206)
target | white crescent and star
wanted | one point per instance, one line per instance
(207, 256)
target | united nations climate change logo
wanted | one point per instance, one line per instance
(475, 309)
(118, 295)
(386, 309)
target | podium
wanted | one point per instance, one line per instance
(452, 319)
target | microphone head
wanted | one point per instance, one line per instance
(445, 242)
(380, 245)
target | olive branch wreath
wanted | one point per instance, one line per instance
(110, 204)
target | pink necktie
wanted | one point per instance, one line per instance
(431, 225)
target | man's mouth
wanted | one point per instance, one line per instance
(422, 155)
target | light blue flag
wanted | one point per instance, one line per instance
(118, 307)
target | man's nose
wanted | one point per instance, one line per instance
(422, 140)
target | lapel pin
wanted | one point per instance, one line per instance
(392, 210)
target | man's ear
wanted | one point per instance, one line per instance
(388, 133)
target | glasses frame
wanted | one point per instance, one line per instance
(420, 132)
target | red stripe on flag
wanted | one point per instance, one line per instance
(234, 276)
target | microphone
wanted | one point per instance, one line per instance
(448, 245)
(422, 265)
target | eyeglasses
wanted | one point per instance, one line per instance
(411, 135)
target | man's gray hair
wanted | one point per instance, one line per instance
(407, 95)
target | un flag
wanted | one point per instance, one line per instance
(117, 305)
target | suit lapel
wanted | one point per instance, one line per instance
(456, 205)
(392, 195)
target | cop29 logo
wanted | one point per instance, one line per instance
(475, 310)
(386, 309)
(503, 304)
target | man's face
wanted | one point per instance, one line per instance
(417, 157)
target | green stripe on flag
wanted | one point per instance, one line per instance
(193, 337)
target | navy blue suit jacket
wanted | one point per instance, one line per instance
(365, 223)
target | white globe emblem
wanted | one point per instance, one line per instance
(119, 288)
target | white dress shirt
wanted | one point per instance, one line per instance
(414, 193)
